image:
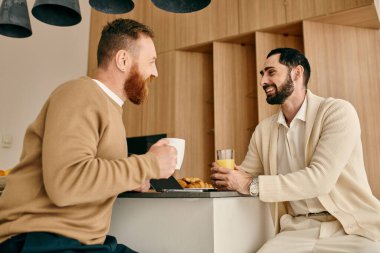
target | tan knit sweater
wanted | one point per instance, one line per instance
(73, 165)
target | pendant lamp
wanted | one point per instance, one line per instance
(112, 6)
(181, 6)
(57, 12)
(14, 19)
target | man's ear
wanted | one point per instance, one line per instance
(298, 72)
(122, 60)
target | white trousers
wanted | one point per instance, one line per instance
(316, 235)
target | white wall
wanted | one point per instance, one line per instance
(30, 68)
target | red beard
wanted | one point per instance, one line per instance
(136, 87)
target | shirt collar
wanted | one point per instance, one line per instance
(110, 93)
(301, 114)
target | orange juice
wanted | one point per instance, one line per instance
(226, 163)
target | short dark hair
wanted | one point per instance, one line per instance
(292, 58)
(119, 34)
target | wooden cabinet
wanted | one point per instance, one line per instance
(209, 61)
(220, 19)
(235, 99)
(194, 111)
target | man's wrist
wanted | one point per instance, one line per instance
(254, 187)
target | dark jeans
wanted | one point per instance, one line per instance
(41, 242)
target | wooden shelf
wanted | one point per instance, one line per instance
(292, 29)
(364, 17)
(200, 48)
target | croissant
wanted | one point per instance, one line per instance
(182, 182)
(194, 182)
(190, 180)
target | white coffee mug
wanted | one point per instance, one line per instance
(179, 144)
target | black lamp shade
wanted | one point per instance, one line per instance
(57, 12)
(14, 19)
(181, 6)
(112, 6)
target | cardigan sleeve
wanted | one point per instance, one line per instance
(252, 163)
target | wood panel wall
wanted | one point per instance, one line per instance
(220, 19)
(225, 18)
(365, 16)
(194, 111)
(301, 9)
(254, 15)
(235, 99)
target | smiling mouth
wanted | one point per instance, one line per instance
(269, 90)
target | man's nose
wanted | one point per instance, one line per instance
(263, 81)
(154, 71)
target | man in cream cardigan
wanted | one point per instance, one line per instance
(307, 161)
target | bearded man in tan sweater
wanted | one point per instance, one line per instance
(74, 161)
(307, 162)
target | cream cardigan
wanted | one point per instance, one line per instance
(334, 167)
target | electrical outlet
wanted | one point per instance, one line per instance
(6, 141)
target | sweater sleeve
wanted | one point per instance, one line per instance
(252, 163)
(340, 134)
(73, 172)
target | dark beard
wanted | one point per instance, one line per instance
(136, 87)
(281, 94)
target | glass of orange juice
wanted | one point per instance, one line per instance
(225, 158)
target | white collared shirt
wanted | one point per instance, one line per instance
(291, 155)
(110, 93)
